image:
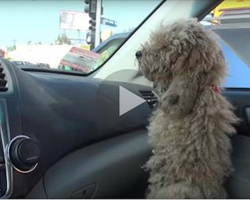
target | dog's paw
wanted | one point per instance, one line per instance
(173, 99)
(167, 101)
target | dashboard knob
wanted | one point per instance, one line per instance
(24, 154)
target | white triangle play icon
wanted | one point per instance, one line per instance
(128, 100)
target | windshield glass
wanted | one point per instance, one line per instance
(72, 35)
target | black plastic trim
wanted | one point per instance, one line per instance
(114, 165)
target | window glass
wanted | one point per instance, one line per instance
(68, 34)
(230, 22)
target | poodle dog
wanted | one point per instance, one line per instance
(190, 128)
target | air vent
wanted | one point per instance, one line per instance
(150, 97)
(3, 82)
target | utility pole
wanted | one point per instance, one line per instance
(98, 22)
(14, 42)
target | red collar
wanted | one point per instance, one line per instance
(215, 88)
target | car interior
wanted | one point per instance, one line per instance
(69, 127)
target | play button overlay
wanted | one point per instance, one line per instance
(128, 100)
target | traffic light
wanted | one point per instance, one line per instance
(92, 24)
(88, 38)
(91, 8)
(94, 9)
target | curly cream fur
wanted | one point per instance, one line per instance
(189, 131)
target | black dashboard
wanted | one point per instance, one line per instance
(46, 116)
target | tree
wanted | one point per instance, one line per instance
(11, 48)
(62, 39)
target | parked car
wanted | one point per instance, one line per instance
(43, 65)
(21, 62)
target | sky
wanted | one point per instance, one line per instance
(38, 21)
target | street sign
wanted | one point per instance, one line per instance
(108, 22)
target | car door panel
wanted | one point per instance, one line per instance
(238, 184)
(240, 99)
(108, 169)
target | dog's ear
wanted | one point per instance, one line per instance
(180, 97)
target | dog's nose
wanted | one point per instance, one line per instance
(138, 54)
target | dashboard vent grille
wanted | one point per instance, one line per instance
(3, 81)
(150, 97)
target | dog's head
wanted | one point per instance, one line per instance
(182, 48)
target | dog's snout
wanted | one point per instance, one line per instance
(138, 54)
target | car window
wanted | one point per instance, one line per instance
(230, 22)
(108, 49)
(112, 43)
(62, 36)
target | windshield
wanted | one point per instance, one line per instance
(72, 35)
